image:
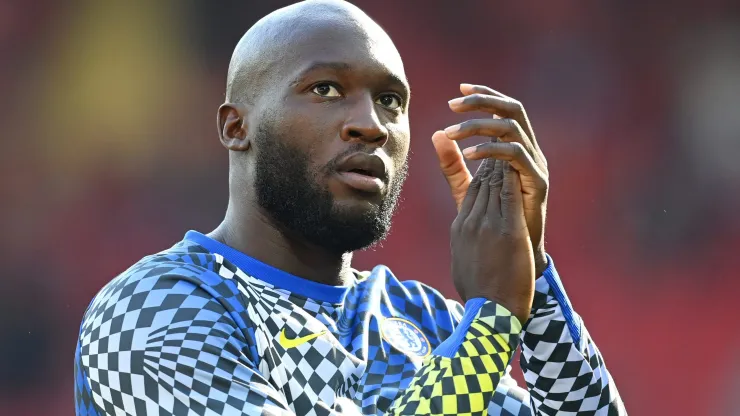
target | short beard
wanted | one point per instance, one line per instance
(289, 192)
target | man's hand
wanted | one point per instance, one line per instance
(516, 144)
(491, 250)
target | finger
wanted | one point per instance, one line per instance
(498, 173)
(494, 192)
(519, 114)
(485, 169)
(451, 160)
(502, 106)
(491, 127)
(506, 129)
(514, 153)
(453, 167)
(468, 89)
(512, 205)
(470, 196)
(478, 211)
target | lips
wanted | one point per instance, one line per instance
(363, 172)
(364, 164)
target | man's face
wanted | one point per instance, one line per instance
(333, 139)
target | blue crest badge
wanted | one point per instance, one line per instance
(405, 336)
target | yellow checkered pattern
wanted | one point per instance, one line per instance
(464, 384)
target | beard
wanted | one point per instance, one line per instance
(290, 193)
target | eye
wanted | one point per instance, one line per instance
(325, 90)
(390, 101)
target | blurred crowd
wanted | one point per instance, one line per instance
(109, 153)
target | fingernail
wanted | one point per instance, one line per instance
(452, 129)
(456, 101)
(464, 85)
(469, 151)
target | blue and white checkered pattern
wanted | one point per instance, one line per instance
(186, 332)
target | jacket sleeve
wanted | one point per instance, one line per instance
(462, 374)
(164, 346)
(564, 370)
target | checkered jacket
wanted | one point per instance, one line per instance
(201, 329)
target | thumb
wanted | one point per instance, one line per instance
(452, 164)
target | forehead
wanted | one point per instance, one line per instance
(365, 48)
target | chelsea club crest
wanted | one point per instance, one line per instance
(405, 336)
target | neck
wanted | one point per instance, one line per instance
(247, 229)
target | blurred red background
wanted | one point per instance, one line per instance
(109, 153)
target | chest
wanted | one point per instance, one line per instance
(319, 356)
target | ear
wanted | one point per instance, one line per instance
(232, 126)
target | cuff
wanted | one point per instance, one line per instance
(501, 320)
(551, 285)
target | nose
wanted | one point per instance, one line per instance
(363, 124)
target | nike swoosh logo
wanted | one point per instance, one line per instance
(288, 343)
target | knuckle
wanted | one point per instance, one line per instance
(507, 194)
(512, 125)
(475, 99)
(485, 148)
(518, 149)
(469, 226)
(497, 180)
(519, 106)
(474, 185)
(516, 106)
(479, 89)
(487, 224)
(455, 228)
(543, 183)
(469, 125)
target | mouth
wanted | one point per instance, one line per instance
(364, 172)
(360, 182)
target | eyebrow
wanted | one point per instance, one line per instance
(343, 66)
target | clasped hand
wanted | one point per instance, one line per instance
(497, 238)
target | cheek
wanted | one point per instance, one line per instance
(298, 130)
(311, 128)
(307, 139)
(398, 148)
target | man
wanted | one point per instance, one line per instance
(265, 315)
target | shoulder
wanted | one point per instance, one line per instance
(170, 312)
(181, 262)
(184, 276)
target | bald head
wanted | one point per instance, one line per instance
(291, 34)
(317, 93)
